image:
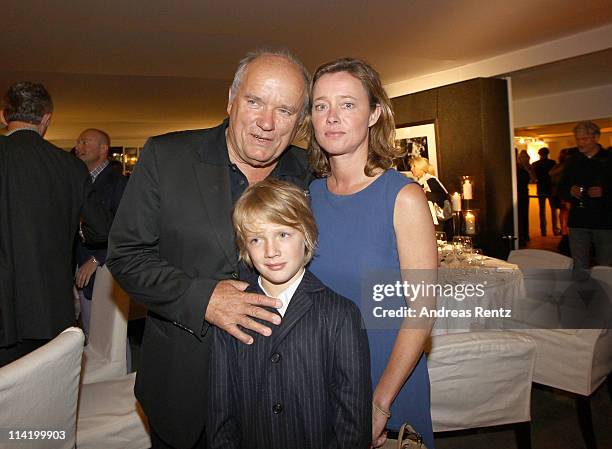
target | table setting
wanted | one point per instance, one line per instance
(475, 286)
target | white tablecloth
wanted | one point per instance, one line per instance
(497, 286)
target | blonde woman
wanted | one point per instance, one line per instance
(435, 192)
(370, 217)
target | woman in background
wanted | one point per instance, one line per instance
(555, 176)
(524, 175)
(564, 206)
(435, 192)
(426, 176)
(370, 217)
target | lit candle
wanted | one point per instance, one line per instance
(467, 190)
(470, 223)
(456, 202)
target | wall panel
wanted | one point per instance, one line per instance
(473, 138)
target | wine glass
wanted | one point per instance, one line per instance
(444, 251)
(440, 237)
(459, 251)
(460, 254)
(476, 258)
(581, 204)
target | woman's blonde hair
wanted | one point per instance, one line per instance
(524, 158)
(422, 163)
(381, 137)
(278, 202)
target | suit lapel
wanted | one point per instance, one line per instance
(212, 175)
(102, 180)
(300, 304)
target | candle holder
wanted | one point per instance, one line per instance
(470, 222)
(456, 223)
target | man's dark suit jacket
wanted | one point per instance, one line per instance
(107, 190)
(42, 196)
(580, 170)
(171, 242)
(307, 386)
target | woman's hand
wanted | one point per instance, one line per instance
(379, 422)
(85, 272)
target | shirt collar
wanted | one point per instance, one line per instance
(599, 152)
(23, 128)
(96, 171)
(286, 295)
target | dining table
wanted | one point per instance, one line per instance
(477, 294)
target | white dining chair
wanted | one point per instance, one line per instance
(39, 391)
(110, 417)
(538, 258)
(546, 275)
(105, 354)
(482, 379)
(577, 361)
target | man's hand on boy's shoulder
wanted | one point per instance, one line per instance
(230, 306)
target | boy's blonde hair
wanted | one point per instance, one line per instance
(277, 202)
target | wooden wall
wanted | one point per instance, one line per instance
(473, 138)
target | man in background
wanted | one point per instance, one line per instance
(587, 183)
(42, 196)
(108, 186)
(542, 168)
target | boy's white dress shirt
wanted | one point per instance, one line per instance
(286, 294)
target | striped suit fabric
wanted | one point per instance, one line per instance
(307, 386)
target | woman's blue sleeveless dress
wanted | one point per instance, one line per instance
(356, 236)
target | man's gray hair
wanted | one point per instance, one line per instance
(26, 102)
(587, 128)
(281, 53)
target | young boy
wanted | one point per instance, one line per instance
(307, 386)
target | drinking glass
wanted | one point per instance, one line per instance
(441, 238)
(459, 251)
(458, 239)
(444, 252)
(468, 243)
(477, 259)
(581, 204)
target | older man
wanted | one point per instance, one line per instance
(43, 193)
(172, 246)
(108, 186)
(586, 182)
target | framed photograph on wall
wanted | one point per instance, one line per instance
(417, 140)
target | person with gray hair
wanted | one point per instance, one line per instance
(172, 246)
(587, 184)
(43, 193)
